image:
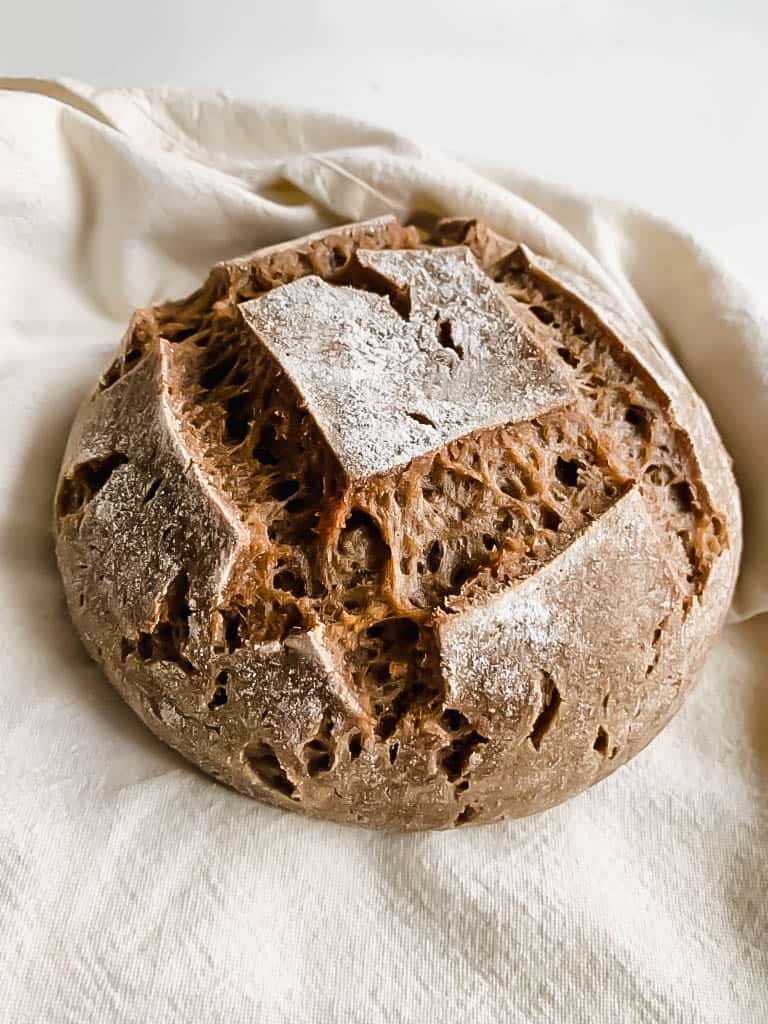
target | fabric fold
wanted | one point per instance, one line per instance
(132, 887)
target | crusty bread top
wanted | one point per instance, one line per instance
(353, 560)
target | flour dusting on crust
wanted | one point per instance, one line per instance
(386, 386)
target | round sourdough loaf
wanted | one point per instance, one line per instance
(398, 527)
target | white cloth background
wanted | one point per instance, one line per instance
(133, 888)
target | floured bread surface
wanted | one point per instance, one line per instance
(386, 382)
(399, 528)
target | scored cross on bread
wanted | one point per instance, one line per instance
(397, 527)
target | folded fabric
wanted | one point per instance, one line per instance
(134, 888)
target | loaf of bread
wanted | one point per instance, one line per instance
(399, 527)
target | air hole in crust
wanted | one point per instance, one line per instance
(446, 339)
(284, 489)
(658, 474)
(434, 556)
(144, 646)
(111, 376)
(237, 422)
(567, 472)
(220, 696)
(548, 714)
(265, 765)
(461, 574)
(171, 632)
(567, 356)
(453, 720)
(265, 456)
(637, 417)
(455, 758)
(339, 257)
(601, 742)
(386, 726)
(232, 621)
(86, 481)
(363, 548)
(290, 582)
(394, 632)
(550, 519)
(542, 313)
(468, 814)
(682, 495)
(132, 357)
(318, 757)
(422, 418)
(355, 745)
(379, 673)
(319, 753)
(152, 490)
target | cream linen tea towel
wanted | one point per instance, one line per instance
(132, 888)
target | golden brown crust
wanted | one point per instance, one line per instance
(482, 628)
